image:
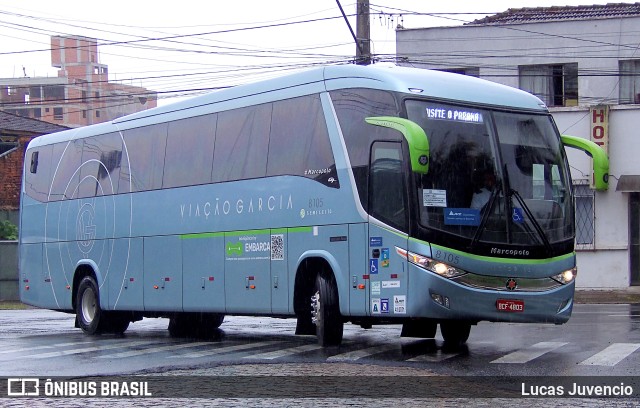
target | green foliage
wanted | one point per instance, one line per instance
(8, 231)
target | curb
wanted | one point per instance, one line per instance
(621, 296)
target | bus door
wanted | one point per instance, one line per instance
(387, 201)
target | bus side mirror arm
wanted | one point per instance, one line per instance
(415, 136)
(600, 159)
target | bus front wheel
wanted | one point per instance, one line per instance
(89, 315)
(455, 333)
(325, 312)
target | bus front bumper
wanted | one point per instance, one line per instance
(440, 298)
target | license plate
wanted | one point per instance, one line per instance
(507, 305)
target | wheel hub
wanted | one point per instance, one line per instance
(88, 305)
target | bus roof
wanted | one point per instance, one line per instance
(436, 84)
(420, 82)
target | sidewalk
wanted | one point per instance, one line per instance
(625, 295)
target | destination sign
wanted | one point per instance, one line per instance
(456, 115)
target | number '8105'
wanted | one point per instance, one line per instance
(446, 256)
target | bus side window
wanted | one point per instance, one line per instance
(241, 143)
(65, 177)
(34, 162)
(352, 106)
(146, 147)
(101, 160)
(298, 125)
(387, 200)
(37, 179)
(189, 157)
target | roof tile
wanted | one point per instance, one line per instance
(560, 13)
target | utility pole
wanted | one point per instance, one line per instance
(363, 33)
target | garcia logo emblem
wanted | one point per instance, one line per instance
(511, 284)
(86, 228)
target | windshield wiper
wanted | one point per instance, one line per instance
(488, 208)
(536, 224)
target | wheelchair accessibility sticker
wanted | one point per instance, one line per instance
(516, 216)
(373, 266)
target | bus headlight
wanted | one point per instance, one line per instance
(567, 276)
(434, 266)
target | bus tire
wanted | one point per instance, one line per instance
(116, 322)
(89, 315)
(455, 333)
(207, 325)
(419, 328)
(197, 325)
(325, 311)
(179, 325)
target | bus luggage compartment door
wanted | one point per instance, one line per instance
(247, 269)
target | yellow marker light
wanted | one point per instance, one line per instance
(440, 268)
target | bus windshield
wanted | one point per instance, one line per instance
(494, 176)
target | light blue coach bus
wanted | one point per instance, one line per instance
(339, 194)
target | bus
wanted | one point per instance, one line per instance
(340, 194)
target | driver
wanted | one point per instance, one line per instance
(481, 196)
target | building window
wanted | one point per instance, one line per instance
(8, 144)
(629, 81)
(469, 71)
(35, 91)
(585, 215)
(97, 114)
(57, 114)
(54, 92)
(84, 114)
(556, 85)
(37, 113)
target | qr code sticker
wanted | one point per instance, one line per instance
(277, 247)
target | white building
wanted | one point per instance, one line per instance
(584, 62)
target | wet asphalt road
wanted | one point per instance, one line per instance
(599, 340)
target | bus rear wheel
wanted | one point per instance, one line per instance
(325, 312)
(455, 333)
(89, 315)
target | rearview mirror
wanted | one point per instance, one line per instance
(415, 136)
(600, 159)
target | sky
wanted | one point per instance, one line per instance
(187, 47)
